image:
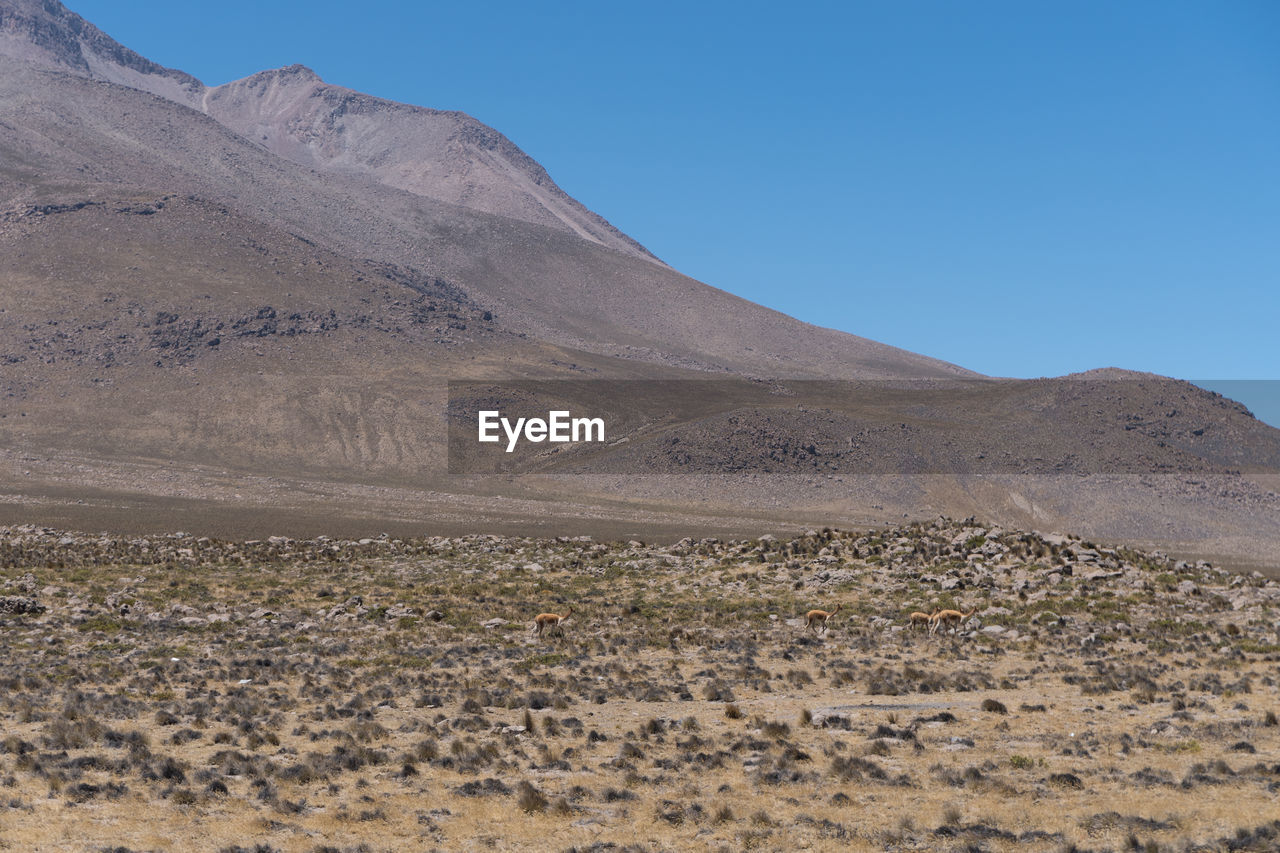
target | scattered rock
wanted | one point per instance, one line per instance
(830, 718)
(18, 605)
(1066, 780)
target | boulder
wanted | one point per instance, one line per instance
(20, 605)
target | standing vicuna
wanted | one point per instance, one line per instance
(551, 620)
(952, 618)
(924, 620)
(813, 617)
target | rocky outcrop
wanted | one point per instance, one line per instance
(50, 34)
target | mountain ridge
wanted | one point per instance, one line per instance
(319, 124)
(546, 281)
(293, 113)
(45, 31)
(196, 320)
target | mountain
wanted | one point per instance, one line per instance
(241, 306)
(449, 197)
(47, 33)
(447, 156)
(291, 112)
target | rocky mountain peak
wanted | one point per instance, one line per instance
(47, 33)
(296, 74)
(299, 70)
(444, 155)
(440, 154)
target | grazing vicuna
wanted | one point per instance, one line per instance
(814, 617)
(952, 618)
(922, 619)
(551, 620)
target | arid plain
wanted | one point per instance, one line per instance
(172, 692)
(241, 310)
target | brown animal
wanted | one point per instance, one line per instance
(952, 618)
(551, 620)
(922, 619)
(813, 617)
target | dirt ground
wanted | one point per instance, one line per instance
(174, 693)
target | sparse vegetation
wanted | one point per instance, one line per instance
(392, 694)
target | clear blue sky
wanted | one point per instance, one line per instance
(1023, 188)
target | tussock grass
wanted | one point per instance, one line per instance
(271, 693)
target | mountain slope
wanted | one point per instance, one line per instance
(75, 134)
(192, 315)
(47, 33)
(447, 156)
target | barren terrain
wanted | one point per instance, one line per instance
(238, 311)
(173, 692)
(242, 311)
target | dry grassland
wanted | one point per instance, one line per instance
(174, 693)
